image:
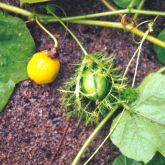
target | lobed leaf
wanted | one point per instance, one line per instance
(140, 132)
(151, 102)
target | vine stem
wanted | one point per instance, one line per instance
(102, 14)
(120, 26)
(76, 19)
(131, 5)
(71, 33)
(129, 63)
(137, 51)
(106, 138)
(110, 7)
(161, 70)
(16, 9)
(139, 8)
(92, 136)
(50, 34)
(138, 56)
(77, 88)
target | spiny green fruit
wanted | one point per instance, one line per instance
(94, 84)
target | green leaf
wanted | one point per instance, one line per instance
(125, 3)
(16, 48)
(140, 132)
(151, 102)
(123, 160)
(6, 90)
(32, 1)
(157, 160)
(160, 51)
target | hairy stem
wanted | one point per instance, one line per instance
(91, 137)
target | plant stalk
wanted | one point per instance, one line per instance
(70, 32)
(139, 8)
(110, 7)
(138, 57)
(15, 9)
(27, 13)
(50, 34)
(76, 19)
(131, 5)
(106, 138)
(103, 14)
(161, 70)
(120, 26)
(92, 136)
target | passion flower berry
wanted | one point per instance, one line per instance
(94, 85)
(42, 68)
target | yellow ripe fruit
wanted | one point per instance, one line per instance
(43, 69)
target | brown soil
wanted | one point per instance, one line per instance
(33, 123)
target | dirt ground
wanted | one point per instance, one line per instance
(33, 124)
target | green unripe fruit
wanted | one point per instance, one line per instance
(94, 85)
